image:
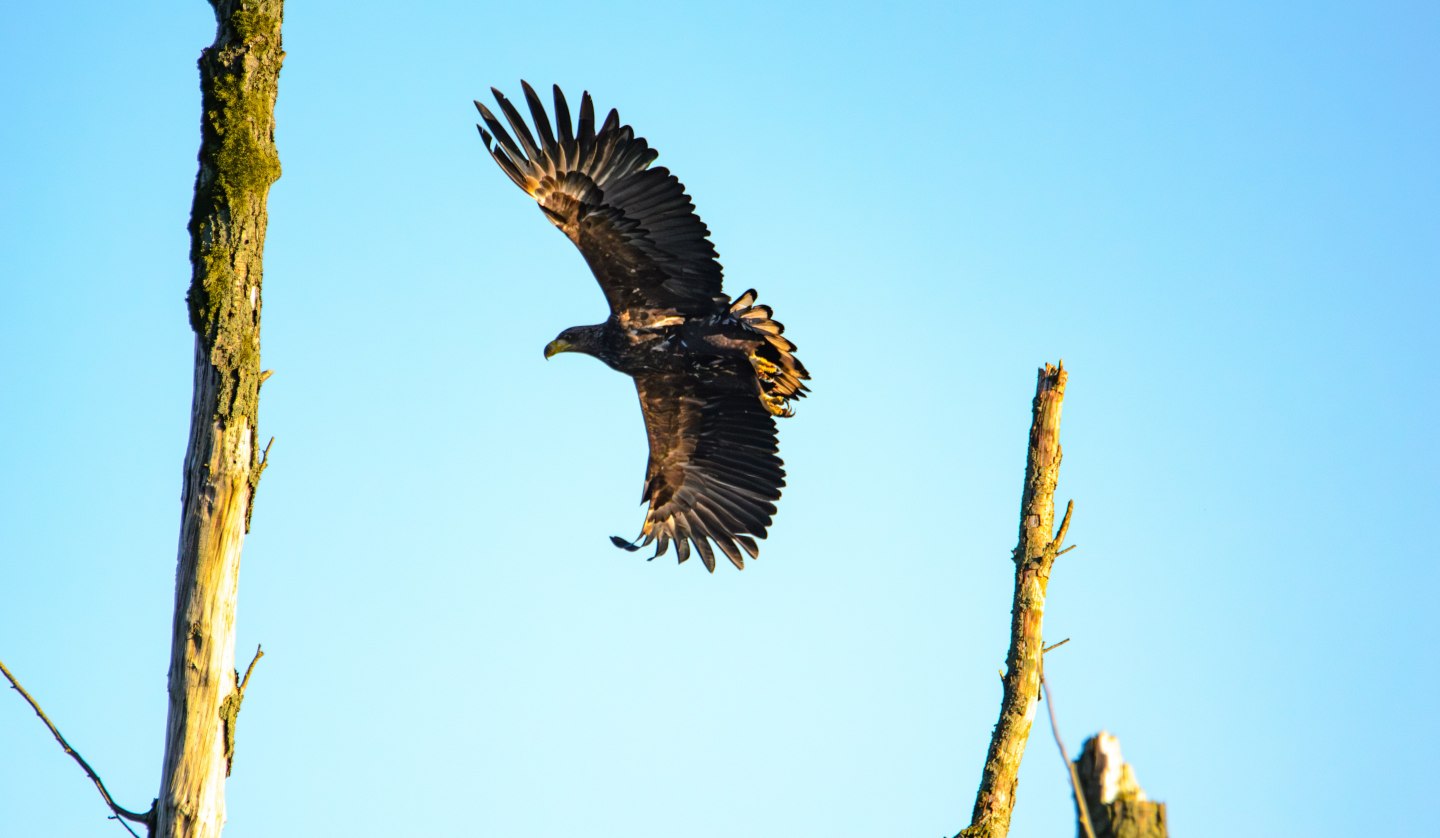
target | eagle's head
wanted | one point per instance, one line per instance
(586, 339)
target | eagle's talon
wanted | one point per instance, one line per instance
(776, 405)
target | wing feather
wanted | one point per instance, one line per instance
(505, 151)
(706, 554)
(538, 115)
(568, 147)
(522, 131)
(586, 131)
(612, 121)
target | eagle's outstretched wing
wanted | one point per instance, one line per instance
(713, 474)
(634, 224)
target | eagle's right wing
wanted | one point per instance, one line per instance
(714, 474)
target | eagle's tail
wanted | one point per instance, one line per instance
(779, 372)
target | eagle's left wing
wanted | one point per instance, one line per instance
(634, 224)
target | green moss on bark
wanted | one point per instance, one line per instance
(238, 163)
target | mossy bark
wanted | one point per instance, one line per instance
(1034, 557)
(238, 162)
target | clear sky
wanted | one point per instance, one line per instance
(1222, 216)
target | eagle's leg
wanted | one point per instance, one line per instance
(777, 405)
(642, 540)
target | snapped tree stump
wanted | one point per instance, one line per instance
(1117, 805)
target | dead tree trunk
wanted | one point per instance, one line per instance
(1034, 557)
(1117, 805)
(239, 74)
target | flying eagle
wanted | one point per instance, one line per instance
(713, 373)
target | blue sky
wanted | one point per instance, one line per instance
(1222, 217)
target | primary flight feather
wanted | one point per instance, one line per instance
(712, 373)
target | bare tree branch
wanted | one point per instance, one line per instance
(120, 811)
(1070, 766)
(1034, 557)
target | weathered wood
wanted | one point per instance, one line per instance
(1034, 557)
(238, 162)
(1117, 805)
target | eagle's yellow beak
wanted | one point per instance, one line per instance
(555, 347)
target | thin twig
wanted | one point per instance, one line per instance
(119, 810)
(1047, 649)
(258, 468)
(259, 653)
(1074, 775)
(116, 818)
(1064, 527)
(230, 709)
(1066, 550)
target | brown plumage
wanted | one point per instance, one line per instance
(712, 373)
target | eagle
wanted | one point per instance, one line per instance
(713, 373)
